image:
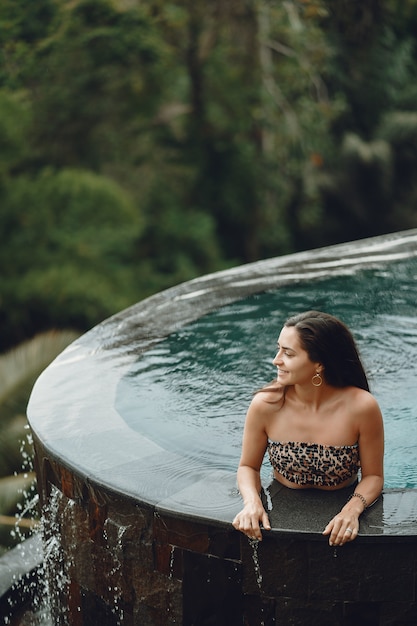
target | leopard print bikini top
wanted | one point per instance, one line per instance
(314, 464)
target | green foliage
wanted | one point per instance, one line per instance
(23, 24)
(74, 233)
(253, 126)
(399, 130)
(144, 143)
(96, 83)
(182, 243)
(14, 124)
(358, 185)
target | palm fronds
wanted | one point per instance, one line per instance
(19, 369)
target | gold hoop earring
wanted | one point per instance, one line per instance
(317, 380)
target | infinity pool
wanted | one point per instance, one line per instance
(190, 392)
(137, 428)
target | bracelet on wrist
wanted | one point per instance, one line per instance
(361, 498)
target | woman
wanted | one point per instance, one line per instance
(318, 422)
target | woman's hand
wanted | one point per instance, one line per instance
(249, 519)
(342, 528)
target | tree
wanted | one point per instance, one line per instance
(250, 126)
(362, 191)
(96, 84)
(72, 233)
(233, 130)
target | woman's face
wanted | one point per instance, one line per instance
(292, 361)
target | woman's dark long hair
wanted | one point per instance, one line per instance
(328, 341)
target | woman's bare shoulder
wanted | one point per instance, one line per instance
(364, 405)
(362, 399)
(269, 398)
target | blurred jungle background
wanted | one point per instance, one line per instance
(147, 142)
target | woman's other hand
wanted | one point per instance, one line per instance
(342, 528)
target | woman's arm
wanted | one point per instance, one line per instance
(345, 525)
(254, 445)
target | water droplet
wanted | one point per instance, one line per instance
(255, 544)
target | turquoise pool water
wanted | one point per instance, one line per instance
(191, 391)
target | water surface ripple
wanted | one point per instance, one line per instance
(190, 392)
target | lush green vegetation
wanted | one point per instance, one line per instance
(143, 143)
